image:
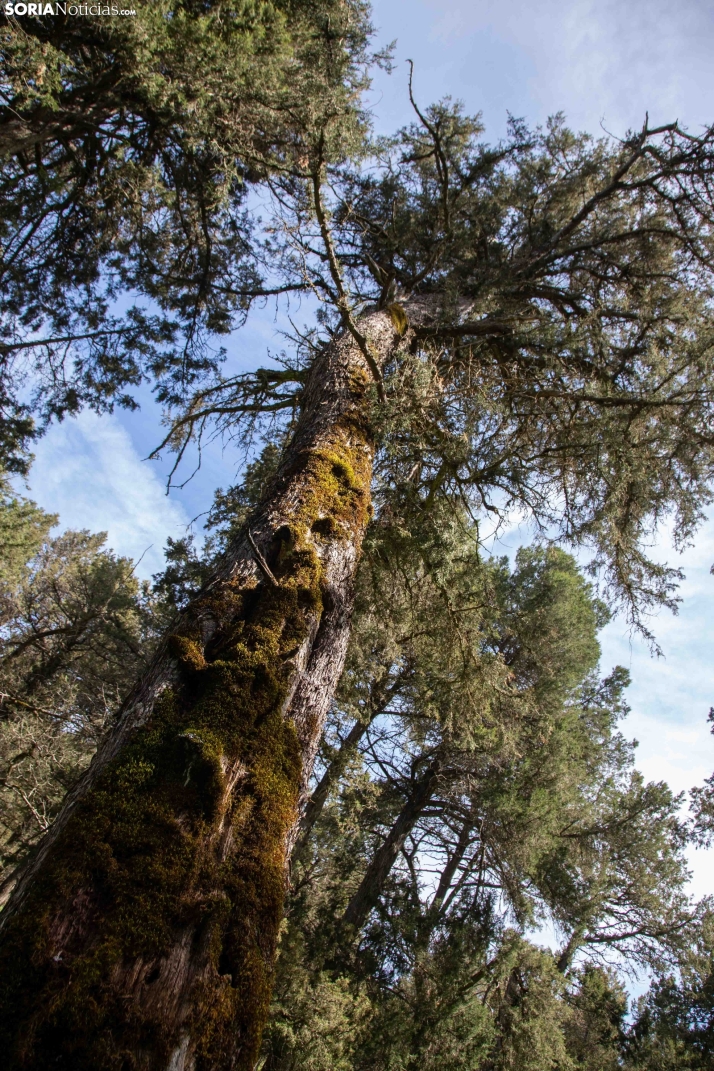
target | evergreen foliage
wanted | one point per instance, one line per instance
(76, 628)
(560, 356)
(128, 148)
(536, 817)
(673, 1025)
(23, 529)
(536, 317)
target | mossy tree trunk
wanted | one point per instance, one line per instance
(144, 934)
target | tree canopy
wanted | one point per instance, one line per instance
(129, 147)
(75, 629)
(560, 357)
(534, 816)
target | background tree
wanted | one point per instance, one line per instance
(23, 528)
(76, 628)
(673, 1020)
(535, 783)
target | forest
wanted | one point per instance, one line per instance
(341, 787)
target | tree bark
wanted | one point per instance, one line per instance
(447, 875)
(143, 934)
(382, 862)
(564, 960)
(42, 126)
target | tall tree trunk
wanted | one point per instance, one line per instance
(379, 701)
(143, 935)
(384, 859)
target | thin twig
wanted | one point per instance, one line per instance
(262, 562)
(342, 298)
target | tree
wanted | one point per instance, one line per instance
(673, 1024)
(23, 528)
(541, 338)
(128, 148)
(596, 1030)
(76, 628)
(439, 971)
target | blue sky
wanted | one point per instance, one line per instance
(605, 64)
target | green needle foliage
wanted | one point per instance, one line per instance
(128, 147)
(674, 1021)
(76, 628)
(536, 817)
(563, 365)
(23, 529)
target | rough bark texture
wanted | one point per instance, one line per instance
(143, 936)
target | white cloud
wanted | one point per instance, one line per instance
(609, 60)
(88, 471)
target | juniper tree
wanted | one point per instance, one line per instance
(23, 528)
(673, 1025)
(128, 147)
(76, 628)
(525, 326)
(535, 782)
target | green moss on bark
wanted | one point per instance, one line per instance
(177, 854)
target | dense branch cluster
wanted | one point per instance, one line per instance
(128, 148)
(566, 368)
